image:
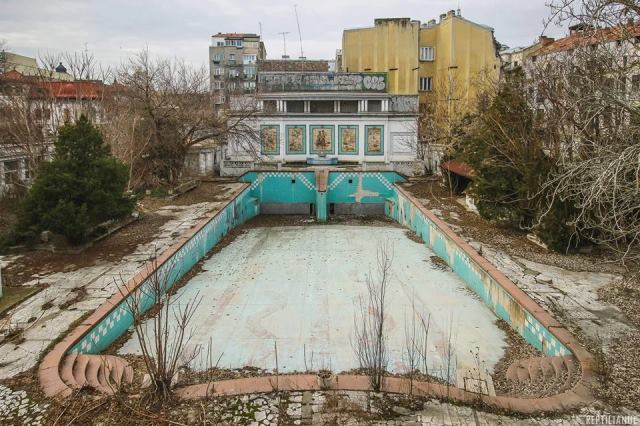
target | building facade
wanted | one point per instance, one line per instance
(515, 58)
(438, 60)
(32, 108)
(233, 64)
(349, 119)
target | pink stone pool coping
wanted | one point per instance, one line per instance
(49, 369)
(53, 386)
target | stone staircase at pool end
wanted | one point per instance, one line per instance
(103, 373)
(548, 369)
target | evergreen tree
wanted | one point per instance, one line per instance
(82, 187)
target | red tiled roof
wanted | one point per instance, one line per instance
(13, 75)
(591, 37)
(69, 89)
(459, 168)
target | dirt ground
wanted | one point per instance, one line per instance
(511, 241)
(112, 248)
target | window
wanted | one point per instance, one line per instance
(217, 85)
(322, 106)
(269, 106)
(232, 58)
(236, 43)
(427, 54)
(249, 72)
(295, 106)
(248, 85)
(218, 57)
(11, 172)
(249, 59)
(348, 106)
(374, 106)
(220, 99)
(234, 73)
(218, 71)
(635, 82)
(426, 84)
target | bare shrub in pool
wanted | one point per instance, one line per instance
(161, 325)
(369, 340)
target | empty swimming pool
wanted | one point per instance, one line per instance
(300, 286)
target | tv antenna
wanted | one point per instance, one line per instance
(284, 43)
(295, 9)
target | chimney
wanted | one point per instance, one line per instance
(444, 15)
(451, 13)
(545, 41)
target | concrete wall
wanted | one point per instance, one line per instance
(392, 44)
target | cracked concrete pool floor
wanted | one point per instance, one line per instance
(300, 286)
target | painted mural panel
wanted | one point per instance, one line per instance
(374, 140)
(270, 139)
(296, 139)
(348, 140)
(322, 140)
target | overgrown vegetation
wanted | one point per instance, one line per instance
(80, 188)
(556, 151)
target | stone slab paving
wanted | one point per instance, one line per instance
(41, 326)
(355, 408)
(573, 296)
(17, 408)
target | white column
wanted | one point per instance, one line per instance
(336, 106)
(307, 106)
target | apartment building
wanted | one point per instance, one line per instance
(233, 64)
(441, 61)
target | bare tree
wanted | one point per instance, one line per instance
(590, 95)
(370, 341)
(164, 337)
(163, 108)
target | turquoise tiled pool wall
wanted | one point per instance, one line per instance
(342, 187)
(282, 187)
(362, 187)
(402, 210)
(242, 208)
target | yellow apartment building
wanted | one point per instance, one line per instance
(444, 61)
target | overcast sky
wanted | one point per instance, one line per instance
(113, 29)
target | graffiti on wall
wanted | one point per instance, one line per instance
(322, 81)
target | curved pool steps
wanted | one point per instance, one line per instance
(103, 373)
